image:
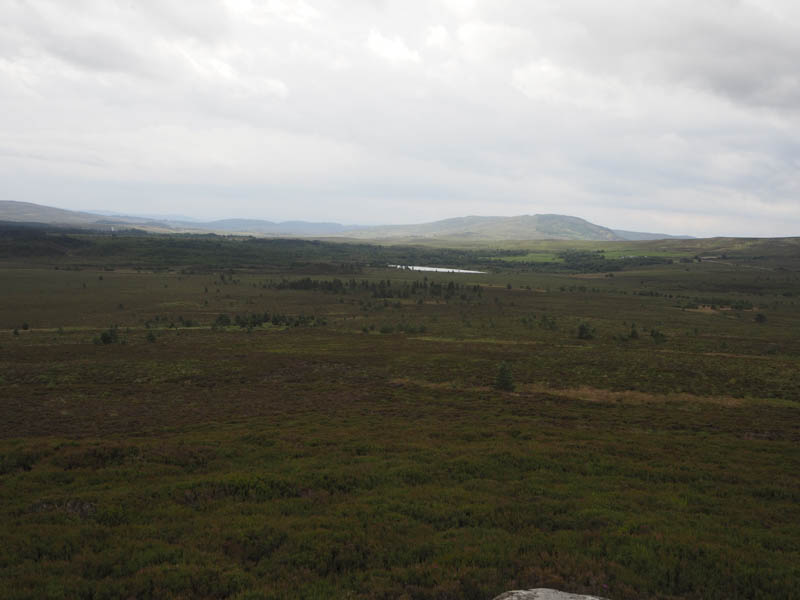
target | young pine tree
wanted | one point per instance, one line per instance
(505, 378)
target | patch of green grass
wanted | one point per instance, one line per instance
(533, 257)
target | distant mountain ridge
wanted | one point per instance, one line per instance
(522, 227)
(271, 228)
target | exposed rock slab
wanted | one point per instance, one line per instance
(543, 594)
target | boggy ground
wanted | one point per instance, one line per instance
(353, 443)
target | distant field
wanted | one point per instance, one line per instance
(621, 253)
(225, 418)
(608, 254)
(533, 257)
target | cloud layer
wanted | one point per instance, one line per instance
(673, 115)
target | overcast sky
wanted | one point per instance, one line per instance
(680, 116)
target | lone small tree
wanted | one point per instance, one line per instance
(505, 378)
(585, 331)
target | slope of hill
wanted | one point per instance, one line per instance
(27, 212)
(523, 227)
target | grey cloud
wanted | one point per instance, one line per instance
(740, 50)
(97, 51)
(207, 21)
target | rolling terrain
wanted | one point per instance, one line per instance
(461, 229)
(216, 417)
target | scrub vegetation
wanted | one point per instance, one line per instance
(213, 417)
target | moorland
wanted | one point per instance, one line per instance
(203, 416)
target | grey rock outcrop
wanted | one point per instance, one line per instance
(543, 594)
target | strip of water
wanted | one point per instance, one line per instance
(434, 269)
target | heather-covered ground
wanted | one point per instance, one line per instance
(217, 418)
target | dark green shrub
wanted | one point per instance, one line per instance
(585, 331)
(110, 336)
(658, 336)
(505, 378)
(547, 322)
(222, 321)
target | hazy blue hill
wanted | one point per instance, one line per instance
(642, 236)
(445, 227)
(270, 227)
(145, 217)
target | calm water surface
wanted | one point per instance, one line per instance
(434, 269)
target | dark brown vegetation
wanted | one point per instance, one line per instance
(215, 418)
